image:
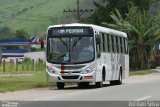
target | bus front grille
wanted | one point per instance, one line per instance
(70, 77)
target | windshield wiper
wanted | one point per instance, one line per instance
(64, 43)
(75, 42)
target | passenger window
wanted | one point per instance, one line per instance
(121, 44)
(97, 44)
(112, 40)
(103, 42)
(117, 44)
(126, 46)
(108, 43)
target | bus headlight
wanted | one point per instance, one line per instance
(88, 70)
(50, 70)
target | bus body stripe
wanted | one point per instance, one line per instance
(62, 68)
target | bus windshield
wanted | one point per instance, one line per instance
(70, 49)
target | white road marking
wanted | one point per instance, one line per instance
(143, 98)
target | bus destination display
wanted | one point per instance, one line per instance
(71, 31)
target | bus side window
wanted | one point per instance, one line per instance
(106, 43)
(98, 42)
(121, 45)
(113, 47)
(117, 44)
(102, 42)
(110, 43)
(126, 46)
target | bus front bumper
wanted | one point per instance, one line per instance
(71, 78)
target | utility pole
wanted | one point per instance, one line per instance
(78, 10)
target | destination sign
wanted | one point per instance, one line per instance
(70, 31)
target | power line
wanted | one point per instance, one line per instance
(78, 11)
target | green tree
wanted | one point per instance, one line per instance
(143, 31)
(21, 33)
(5, 31)
(106, 7)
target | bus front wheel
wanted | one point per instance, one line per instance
(60, 85)
(100, 83)
(83, 84)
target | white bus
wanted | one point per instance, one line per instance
(85, 53)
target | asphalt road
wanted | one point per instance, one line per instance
(134, 88)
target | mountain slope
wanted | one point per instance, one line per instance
(32, 15)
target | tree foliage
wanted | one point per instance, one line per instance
(143, 31)
(21, 33)
(132, 17)
(5, 31)
(106, 7)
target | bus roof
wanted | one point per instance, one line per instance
(95, 27)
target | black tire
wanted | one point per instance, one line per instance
(100, 83)
(112, 82)
(117, 82)
(60, 85)
(83, 84)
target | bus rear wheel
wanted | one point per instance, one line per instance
(117, 82)
(60, 85)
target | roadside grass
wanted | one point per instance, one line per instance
(12, 82)
(37, 79)
(142, 72)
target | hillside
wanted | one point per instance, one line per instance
(32, 15)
